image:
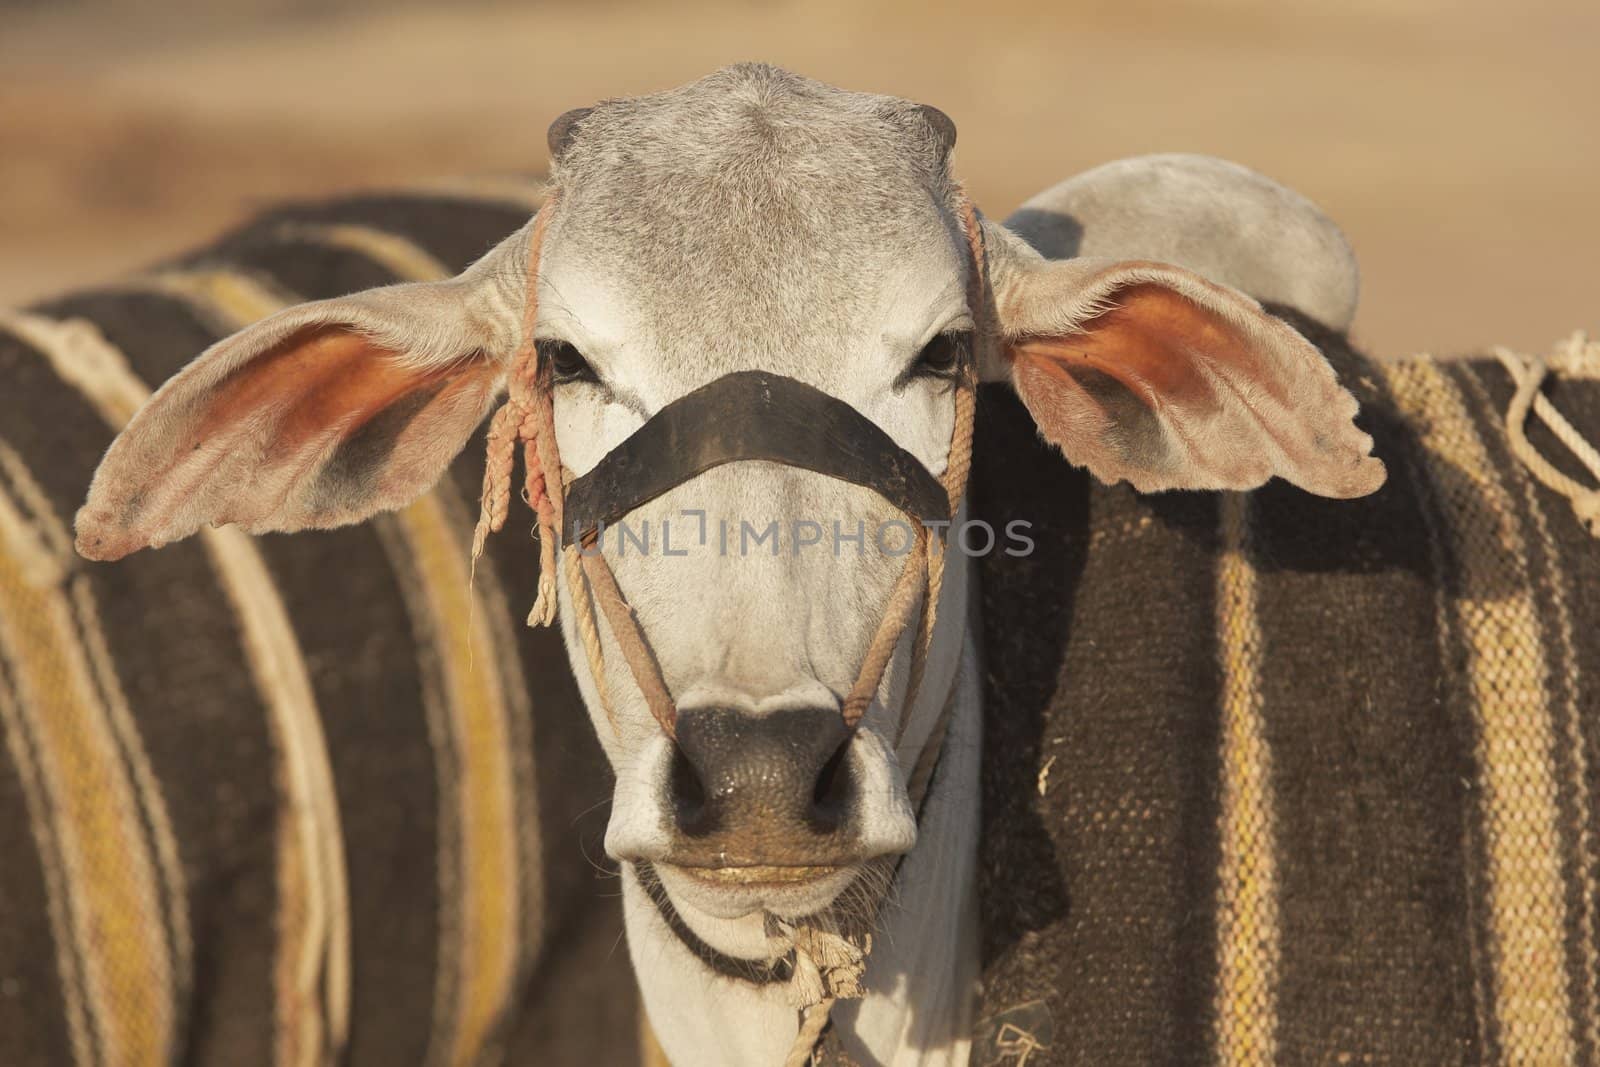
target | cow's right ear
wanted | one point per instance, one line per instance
(321, 415)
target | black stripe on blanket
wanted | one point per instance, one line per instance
(1350, 683)
(1099, 856)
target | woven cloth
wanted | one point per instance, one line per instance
(1270, 778)
(263, 798)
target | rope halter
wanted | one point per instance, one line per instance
(527, 418)
(827, 966)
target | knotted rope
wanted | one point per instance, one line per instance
(1529, 373)
(527, 418)
(828, 965)
(518, 421)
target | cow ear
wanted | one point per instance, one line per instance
(1150, 373)
(321, 415)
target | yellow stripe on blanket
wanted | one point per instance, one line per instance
(1247, 883)
(484, 882)
(313, 971)
(107, 895)
(390, 251)
(1508, 685)
(489, 874)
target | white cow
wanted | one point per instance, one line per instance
(757, 220)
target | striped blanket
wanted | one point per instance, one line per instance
(1268, 778)
(261, 798)
(1271, 778)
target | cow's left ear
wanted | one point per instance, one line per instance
(1150, 373)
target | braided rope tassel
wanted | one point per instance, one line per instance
(541, 446)
(535, 495)
(526, 417)
(828, 967)
(495, 501)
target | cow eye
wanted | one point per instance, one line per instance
(942, 356)
(566, 363)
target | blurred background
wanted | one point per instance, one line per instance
(1458, 143)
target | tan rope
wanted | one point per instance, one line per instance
(629, 635)
(904, 599)
(959, 465)
(1529, 372)
(955, 482)
(588, 631)
(520, 420)
(828, 967)
(813, 1020)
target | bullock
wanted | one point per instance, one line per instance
(759, 298)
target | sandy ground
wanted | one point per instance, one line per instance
(1457, 142)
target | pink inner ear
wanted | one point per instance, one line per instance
(1156, 342)
(1167, 392)
(321, 378)
(312, 393)
(1116, 393)
(324, 428)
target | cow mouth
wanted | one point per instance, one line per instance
(758, 875)
(729, 892)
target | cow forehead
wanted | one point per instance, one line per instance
(755, 203)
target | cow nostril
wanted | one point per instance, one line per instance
(830, 798)
(689, 807)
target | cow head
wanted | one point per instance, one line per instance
(754, 220)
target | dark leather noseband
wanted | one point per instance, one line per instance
(751, 415)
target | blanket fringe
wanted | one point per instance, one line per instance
(1529, 373)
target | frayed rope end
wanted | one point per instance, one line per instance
(544, 605)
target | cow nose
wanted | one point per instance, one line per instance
(782, 773)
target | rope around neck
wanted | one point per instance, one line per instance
(827, 965)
